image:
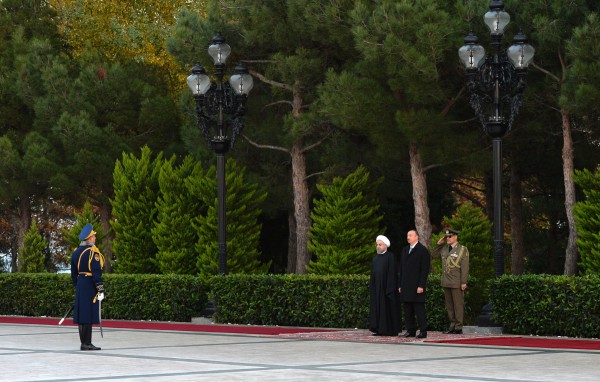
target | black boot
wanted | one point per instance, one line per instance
(82, 337)
(88, 338)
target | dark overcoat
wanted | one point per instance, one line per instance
(86, 274)
(413, 272)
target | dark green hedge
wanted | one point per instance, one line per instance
(308, 300)
(128, 297)
(547, 305)
(292, 300)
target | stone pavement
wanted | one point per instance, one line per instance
(51, 353)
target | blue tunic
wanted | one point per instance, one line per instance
(86, 273)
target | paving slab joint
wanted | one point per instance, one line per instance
(482, 329)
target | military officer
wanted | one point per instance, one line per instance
(455, 271)
(86, 273)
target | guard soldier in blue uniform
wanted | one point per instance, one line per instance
(86, 273)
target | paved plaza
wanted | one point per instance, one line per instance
(51, 353)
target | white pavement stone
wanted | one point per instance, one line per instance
(43, 353)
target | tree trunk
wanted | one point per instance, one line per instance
(301, 206)
(291, 258)
(21, 223)
(516, 222)
(568, 168)
(419, 182)
(299, 184)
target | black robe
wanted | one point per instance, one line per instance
(384, 308)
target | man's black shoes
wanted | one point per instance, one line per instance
(89, 347)
(409, 334)
(456, 331)
(422, 335)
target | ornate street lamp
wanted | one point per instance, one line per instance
(496, 82)
(214, 102)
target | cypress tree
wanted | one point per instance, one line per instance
(86, 216)
(242, 202)
(134, 211)
(587, 217)
(345, 222)
(173, 233)
(31, 256)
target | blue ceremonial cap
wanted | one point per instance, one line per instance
(86, 232)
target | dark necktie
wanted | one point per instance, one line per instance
(449, 248)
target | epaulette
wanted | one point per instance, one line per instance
(97, 255)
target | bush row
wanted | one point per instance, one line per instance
(287, 300)
(128, 297)
(530, 304)
(547, 305)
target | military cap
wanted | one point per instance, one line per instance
(450, 232)
(86, 232)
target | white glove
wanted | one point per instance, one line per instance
(100, 296)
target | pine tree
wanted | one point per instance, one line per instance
(243, 228)
(134, 212)
(173, 232)
(587, 216)
(345, 224)
(31, 256)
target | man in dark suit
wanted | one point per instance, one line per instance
(413, 271)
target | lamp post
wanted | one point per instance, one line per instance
(496, 82)
(220, 107)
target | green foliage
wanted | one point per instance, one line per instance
(31, 256)
(528, 304)
(581, 93)
(292, 300)
(41, 294)
(475, 233)
(154, 297)
(243, 199)
(173, 232)
(405, 37)
(86, 216)
(547, 305)
(345, 222)
(128, 297)
(587, 216)
(333, 301)
(134, 210)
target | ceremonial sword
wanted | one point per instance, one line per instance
(100, 317)
(66, 314)
(99, 313)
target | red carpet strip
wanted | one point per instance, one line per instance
(179, 326)
(530, 342)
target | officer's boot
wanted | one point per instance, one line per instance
(82, 337)
(88, 338)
